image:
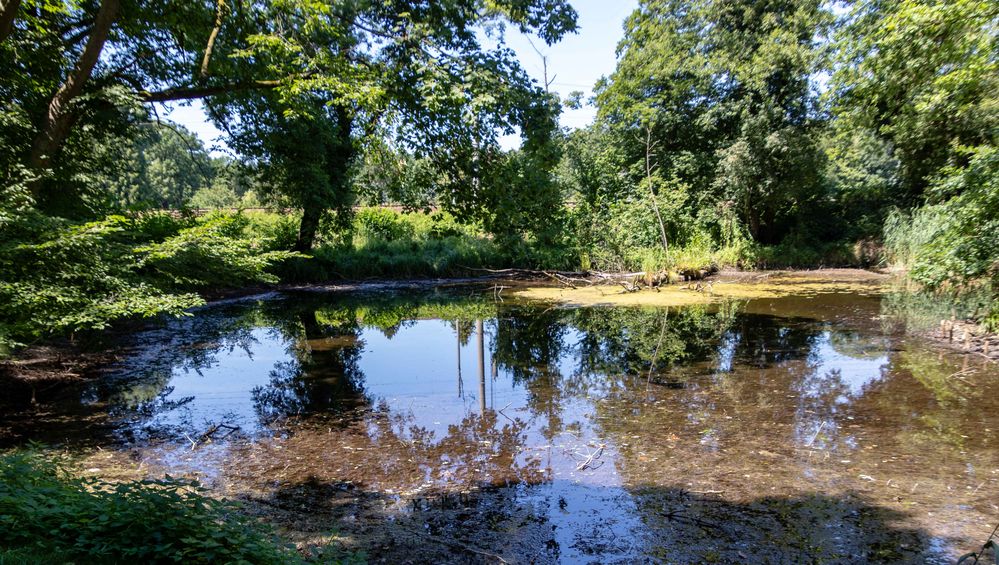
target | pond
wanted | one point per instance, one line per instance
(458, 425)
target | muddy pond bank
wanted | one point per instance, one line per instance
(790, 424)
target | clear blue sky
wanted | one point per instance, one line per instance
(576, 63)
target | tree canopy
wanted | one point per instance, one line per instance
(719, 95)
(81, 72)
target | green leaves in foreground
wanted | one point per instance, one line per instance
(60, 277)
(45, 512)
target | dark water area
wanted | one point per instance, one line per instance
(784, 430)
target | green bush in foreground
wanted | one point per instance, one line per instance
(46, 515)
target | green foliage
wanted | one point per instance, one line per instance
(922, 75)
(953, 244)
(965, 246)
(60, 276)
(715, 97)
(47, 514)
(390, 175)
(162, 167)
(215, 252)
(389, 244)
(277, 231)
(863, 175)
(382, 223)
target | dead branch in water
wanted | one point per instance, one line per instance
(463, 546)
(209, 434)
(589, 460)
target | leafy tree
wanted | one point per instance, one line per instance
(234, 184)
(420, 68)
(162, 167)
(388, 174)
(419, 73)
(863, 177)
(304, 154)
(716, 97)
(921, 75)
(73, 74)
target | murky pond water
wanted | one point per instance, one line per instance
(452, 426)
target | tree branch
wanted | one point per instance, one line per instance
(219, 13)
(59, 118)
(195, 92)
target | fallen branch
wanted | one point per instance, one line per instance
(630, 287)
(589, 460)
(209, 434)
(561, 280)
(464, 546)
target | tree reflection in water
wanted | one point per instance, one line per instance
(710, 423)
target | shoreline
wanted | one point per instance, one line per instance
(62, 360)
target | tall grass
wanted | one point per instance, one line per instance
(940, 286)
(907, 236)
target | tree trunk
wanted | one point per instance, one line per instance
(311, 215)
(59, 119)
(8, 11)
(337, 163)
(652, 192)
(754, 225)
(482, 366)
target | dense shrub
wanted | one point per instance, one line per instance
(59, 276)
(382, 223)
(215, 252)
(952, 244)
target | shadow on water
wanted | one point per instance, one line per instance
(783, 430)
(570, 522)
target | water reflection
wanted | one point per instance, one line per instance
(726, 433)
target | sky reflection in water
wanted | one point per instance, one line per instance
(823, 427)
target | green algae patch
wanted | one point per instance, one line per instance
(727, 286)
(606, 295)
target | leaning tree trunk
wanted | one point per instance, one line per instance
(8, 11)
(59, 118)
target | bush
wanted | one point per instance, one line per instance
(46, 514)
(278, 231)
(382, 223)
(59, 276)
(953, 244)
(216, 252)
